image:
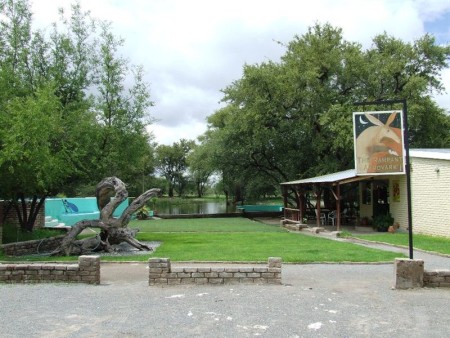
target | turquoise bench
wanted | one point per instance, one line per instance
(260, 208)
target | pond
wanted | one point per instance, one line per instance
(178, 207)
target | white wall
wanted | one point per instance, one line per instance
(399, 208)
(430, 191)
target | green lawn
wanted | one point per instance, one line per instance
(258, 246)
(239, 240)
(423, 242)
(234, 224)
(12, 233)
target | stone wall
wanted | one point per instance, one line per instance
(410, 273)
(86, 271)
(161, 273)
(292, 225)
(32, 247)
(437, 278)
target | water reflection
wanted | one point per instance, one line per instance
(178, 207)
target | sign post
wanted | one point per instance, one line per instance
(378, 143)
(391, 136)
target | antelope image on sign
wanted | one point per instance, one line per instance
(378, 140)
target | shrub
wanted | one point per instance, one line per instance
(382, 222)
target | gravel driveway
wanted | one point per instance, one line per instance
(315, 300)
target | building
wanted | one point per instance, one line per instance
(355, 200)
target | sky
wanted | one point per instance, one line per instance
(192, 49)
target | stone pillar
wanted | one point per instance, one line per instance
(408, 273)
(89, 267)
(274, 266)
(158, 269)
(274, 262)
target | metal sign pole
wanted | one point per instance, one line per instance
(407, 164)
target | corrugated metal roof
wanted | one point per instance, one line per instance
(441, 154)
(329, 178)
(436, 153)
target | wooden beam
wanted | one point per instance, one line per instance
(318, 192)
(338, 207)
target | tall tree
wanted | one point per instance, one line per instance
(30, 167)
(123, 112)
(200, 168)
(172, 164)
(292, 119)
(67, 117)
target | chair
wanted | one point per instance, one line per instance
(323, 218)
(332, 216)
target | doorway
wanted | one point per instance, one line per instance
(380, 197)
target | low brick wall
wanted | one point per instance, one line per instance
(161, 273)
(86, 271)
(32, 247)
(437, 278)
(410, 273)
(293, 226)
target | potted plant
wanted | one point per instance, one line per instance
(382, 222)
(142, 213)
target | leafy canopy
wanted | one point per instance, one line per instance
(293, 118)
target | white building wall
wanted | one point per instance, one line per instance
(430, 195)
(430, 192)
(399, 208)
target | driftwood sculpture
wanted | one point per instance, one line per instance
(112, 230)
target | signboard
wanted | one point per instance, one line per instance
(378, 138)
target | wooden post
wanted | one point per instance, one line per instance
(338, 207)
(337, 197)
(285, 200)
(318, 192)
(301, 204)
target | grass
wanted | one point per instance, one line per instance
(12, 234)
(239, 240)
(423, 242)
(247, 246)
(235, 224)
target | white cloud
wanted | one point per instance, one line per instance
(193, 49)
(171, 134)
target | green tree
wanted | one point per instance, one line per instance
(30, 167)
(200, 168)
(172, 164)
(67, 117)
(122, 142)
(292, 119)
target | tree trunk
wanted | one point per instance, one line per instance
(27, 212)
(113, 230)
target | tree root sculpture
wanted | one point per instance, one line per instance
(110, 192)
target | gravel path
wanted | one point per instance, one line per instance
(315, 300)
